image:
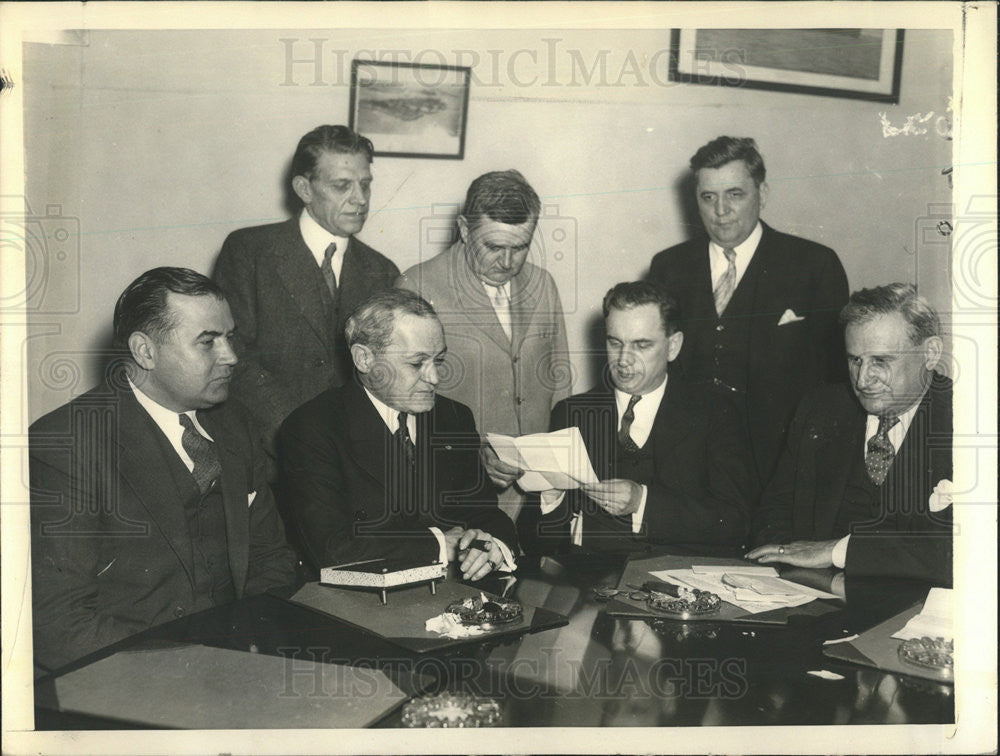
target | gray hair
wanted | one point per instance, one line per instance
(502, 196)
(371, 322)
(867, 304)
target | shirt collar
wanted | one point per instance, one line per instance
(746, 248)
(649, 399)
(318, 238)
(898, 432)
(390, 415)
(166, 419)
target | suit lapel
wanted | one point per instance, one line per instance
(672, 422)
(701, 270)
(235, 487)
(835, 454)
(524, 300)
(367, 431)
(151, 483)
(297, 269)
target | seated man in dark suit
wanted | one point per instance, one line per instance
(292, 284)
(865, 481)
(382, 467)
(672, 458)
(148, 499)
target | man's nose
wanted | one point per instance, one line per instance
(358, 195)
(721, 206)
(431, 374)
(866, 375)
(227, 355)
(625, 356)
(506, 258)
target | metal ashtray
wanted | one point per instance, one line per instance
(484, 612)
(688, 603)
(932, 654)
(452, 710)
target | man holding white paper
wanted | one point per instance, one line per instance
(672, 458)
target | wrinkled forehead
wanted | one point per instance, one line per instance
(415, 335)
(888, 334)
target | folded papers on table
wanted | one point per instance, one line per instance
(751, 588)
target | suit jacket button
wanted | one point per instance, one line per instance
(179, 611)
(361, 515)
(720, 327)
(319, 362)
(514, 358)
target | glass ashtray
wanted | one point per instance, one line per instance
(933, 654)
(451, 710)
(486, 612)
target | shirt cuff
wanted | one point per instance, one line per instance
(637, 515)
(442, 547)
(550, 500)
(840, 552)
(508, 565)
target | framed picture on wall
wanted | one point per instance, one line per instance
(860, 63)
(411, 110)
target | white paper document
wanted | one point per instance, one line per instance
(551, 460)
(935, 619)
(754, 589)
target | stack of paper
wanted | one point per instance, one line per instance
(550, 460)
(752, 588)
(935, 619)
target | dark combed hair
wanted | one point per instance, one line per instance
(630, 294)
(867, 304)
(143, 304)
(502, 196)
(371, 322)
(726, 149)
(322, 139)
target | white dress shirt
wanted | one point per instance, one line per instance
(896, 435)
(169, 422)
(645, 413)
(318, 239)
(390, 417)
(501, 305)
(744, 254)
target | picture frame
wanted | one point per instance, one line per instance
(863, 64)
(411, 110)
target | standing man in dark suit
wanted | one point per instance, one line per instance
(672, 457)
(148, 499)
(291, 285)
(760, 306)
(865, 481)
(381, 466)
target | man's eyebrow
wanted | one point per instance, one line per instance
(213, 334)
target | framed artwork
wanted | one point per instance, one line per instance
(859, 63)
(411, 110)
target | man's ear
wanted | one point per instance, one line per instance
(463, 229)
(674, 343)
(933, 349)
(143, 350)
(363, 358)
(765, 191)
(302, 189)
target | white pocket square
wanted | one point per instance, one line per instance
(250, 497)
(789, 316)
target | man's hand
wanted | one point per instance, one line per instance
(617, 496)
(451, 541)
(477, 563)
(502, 474)
(798, 553)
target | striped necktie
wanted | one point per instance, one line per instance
(727, 284)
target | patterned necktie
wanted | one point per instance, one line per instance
(880, 450)
(207, 467)
(724, 289)
(403, 436)
(327, 270)
(624, 435)
(501, 304)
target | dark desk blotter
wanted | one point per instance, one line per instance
(201, 687)
(637, 572)
(403, 619)
(877, 648)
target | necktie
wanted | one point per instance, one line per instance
(327, 270)
(880, 450)
(202, 452)
(624, 437)
(501, 304)
(403, 436)
(724, 289)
